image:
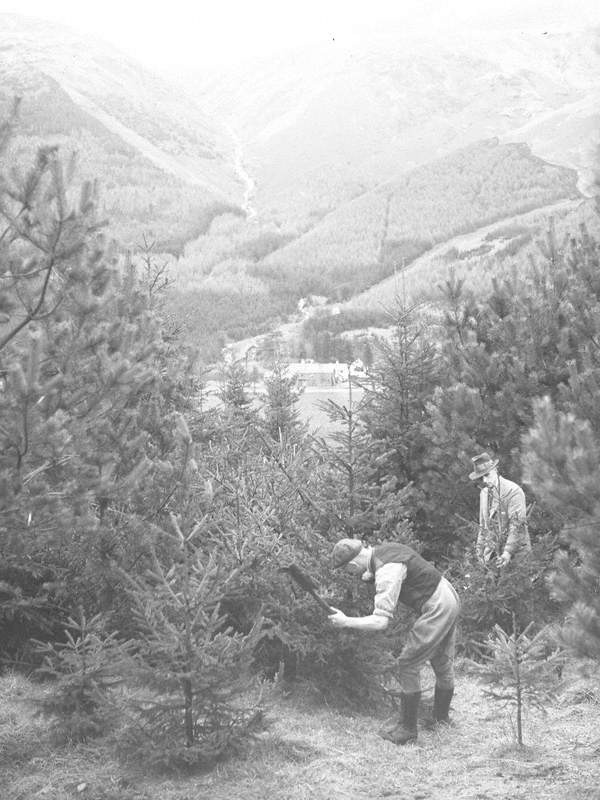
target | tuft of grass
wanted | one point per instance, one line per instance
(22, 735)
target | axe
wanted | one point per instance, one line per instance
(306, 582)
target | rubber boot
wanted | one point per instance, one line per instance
(406, 730)
(393, 722)
(441, 706)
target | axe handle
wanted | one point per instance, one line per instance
(303, 582)
(320, 601)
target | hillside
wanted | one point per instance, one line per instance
(478, 257)
(481, 255)
(244, 276)
(165, 166)
(401, 219)
(320, 171)
(321, 125)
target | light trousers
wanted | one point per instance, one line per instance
(431, 639)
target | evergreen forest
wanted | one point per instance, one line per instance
(143, 538)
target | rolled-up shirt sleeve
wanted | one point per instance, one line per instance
(388, 583)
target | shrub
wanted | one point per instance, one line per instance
(492, 597)
(82, 670)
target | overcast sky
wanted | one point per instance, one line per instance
(184, 33)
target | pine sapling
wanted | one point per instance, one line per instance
(520, 670)
(192, 669)
(82, 670)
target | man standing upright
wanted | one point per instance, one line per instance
(402, 575)
(503, 532)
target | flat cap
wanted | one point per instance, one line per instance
(344, 551)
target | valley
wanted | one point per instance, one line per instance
(246, 179)
(347, 173)
(333, 123)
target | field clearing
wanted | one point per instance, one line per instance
(311, 410)
(309, 405)
(311, 751)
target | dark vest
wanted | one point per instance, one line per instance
(421, 579)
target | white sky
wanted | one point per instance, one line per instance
(188, 33)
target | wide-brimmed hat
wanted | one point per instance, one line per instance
(344, 551)
(483, 464)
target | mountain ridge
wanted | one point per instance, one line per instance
(145, 133)
(396, 101)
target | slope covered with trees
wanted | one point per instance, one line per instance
(392, 225)
(166, 167)
(361, 243)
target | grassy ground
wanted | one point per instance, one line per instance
(314, 752)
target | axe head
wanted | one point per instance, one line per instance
(301, 578)
(306, 583)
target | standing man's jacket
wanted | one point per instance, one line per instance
(502, 521)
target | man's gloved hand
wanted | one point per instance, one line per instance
(503, 560)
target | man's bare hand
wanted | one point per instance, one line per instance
(339, 619)
(503, 560)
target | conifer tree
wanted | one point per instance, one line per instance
(561, 452)
(352, 492)
(396, 415)
(193, 667)
(281, 395)
(501, 352)
(87, 389)
(83, 669)
(234, 385)
(341, 451)
(47, 244)
(562, 459)
(520, 671)
(44, 233)
(75, 443)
